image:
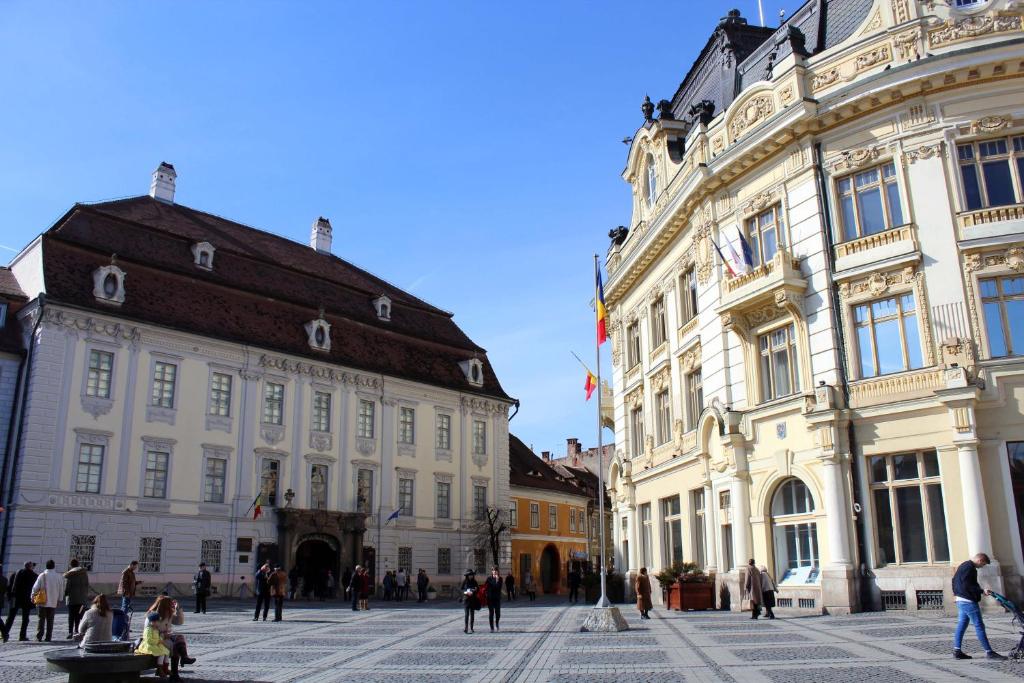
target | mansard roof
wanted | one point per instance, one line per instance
(9, 288)
(261, 290)
(529, 471)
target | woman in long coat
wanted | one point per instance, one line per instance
(768, 590)
(753, 590)
(643, 594)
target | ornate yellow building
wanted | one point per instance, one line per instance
(844, 407)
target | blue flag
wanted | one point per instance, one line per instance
(393, 515)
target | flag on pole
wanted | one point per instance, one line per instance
(748, 253)
(725, 262)
(393, 515)
(602, 313)
(257, 506)
(591, 384)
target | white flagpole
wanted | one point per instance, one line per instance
(603, 600)
(760, 11)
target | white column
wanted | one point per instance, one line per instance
(710, 525)
(979, 539)
(634, 539)
(741, 520)
(836, 512)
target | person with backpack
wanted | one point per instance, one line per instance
(21, 599)
(278, 589)
(470, 599)
(76, 590)
(494, 584)
(261, 584)
(201, 583)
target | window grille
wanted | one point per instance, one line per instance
(210, 554)
(784, 602)
(894, 600)
(83, 549)
(149, 554)
(929, 600)
(806, 603)
(444, 560)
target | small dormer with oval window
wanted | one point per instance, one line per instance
(474, 371)
(319, 332)
(108, 284)
(383, 306)
(202, 255)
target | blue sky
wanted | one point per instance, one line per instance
(468, 152)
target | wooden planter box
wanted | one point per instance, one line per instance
(686, 595)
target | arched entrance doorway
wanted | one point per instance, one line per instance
(550, 569)
(316, 555)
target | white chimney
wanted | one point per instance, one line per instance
(320, 239)
(162, 187)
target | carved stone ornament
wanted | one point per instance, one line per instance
(763, 315)
(924, 152)
(824, 79)
(787, 93)
(365, 446)
(661, 381)
(318, 372)
(272, 434)
(855, 158)
(752, 112)
(691, 360)
(108, 284)
(959, 351)
(873, 57)
(990, 124)
(900, 11)
(158, 414)
(96, 406)
(482, 405)
(649, 449)
(320, 441)
(677, 434)
(319, 333)
(759, 202)
(956, 29)
(635, 398)
(908, 44)
(705, 257)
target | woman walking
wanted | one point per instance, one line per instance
(364, 589)
(753, 589)
(494, 584)
(470, 601)
(643, 594)
(768, 590)
(96, 623)
(528, 586)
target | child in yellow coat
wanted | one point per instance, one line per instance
(153, 642)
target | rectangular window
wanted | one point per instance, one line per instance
(991, 172)
(658, 325)
(149, 554)
(672, 530)
(444, 561)
(321, 411)
(479, 502)
(480, 560)
(636, 431)
(164, 375)
(662, 417)
(766, 234)
(1002, 299)
(269, 471)
(887, 336)
(910, 517)
(534, 515)
(552, 517)
(220, 394)
(3, 315)
(699, 527)
(728, 561)
(318, 478)
(694, 398)
(779, 374)
(405, 488)
(365, 422)
(687, 296)
(405, 558)
(209, 552)
(633, 344)
(444, 431)
(273, 403)
(406, 425)
(213, 486)
(364, 491)
(156, 474)
(624, 535)
(646, 536)
(513, 514)
(869, 201)
(479, 437)
(90, 468)
(444, 500)
(572, 520)
(101, 366)
(83, 549)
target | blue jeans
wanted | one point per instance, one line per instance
(126, 604)
(970, 611)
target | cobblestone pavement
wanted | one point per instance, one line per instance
(538, 642)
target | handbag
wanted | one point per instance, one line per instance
(39, 597)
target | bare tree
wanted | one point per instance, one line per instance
(488, 532)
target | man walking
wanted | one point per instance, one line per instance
(76, 589)
(261, 583)
(494, 585)
(278, 588)
(354, 586)
(968, 594)
(128, 585)
(201, 584)
(574, 585)
(21, 599)
(48, 585)
(753, 589)
(422, 582)
(400, 585)
(510, 586)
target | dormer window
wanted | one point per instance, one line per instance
(474, 371)
(651, 189)
(108, 284)
(202, 255)
(319, 332)
(383, 306)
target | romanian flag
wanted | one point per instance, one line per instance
(725, 261)
(257, 506)
(591, 384)
(602, 314)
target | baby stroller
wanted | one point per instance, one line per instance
(1017, 621)
(121, 628)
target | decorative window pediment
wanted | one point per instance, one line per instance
(108, 284)
(383, 306)
(319, 332)
(474, 371)
(202, 255)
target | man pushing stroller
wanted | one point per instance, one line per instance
(968, 594)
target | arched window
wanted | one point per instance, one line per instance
(651, 190)
(795, 535)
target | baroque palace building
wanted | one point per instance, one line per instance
(848, 411)
(179, 364)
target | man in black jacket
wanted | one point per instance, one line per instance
(201, 583)
(968, 594)
(261, 584)
(21, 599)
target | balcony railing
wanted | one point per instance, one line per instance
(890, 388)
(879, 239)
(969, 219)
(781, 272)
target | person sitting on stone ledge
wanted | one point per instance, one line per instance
(96, 623)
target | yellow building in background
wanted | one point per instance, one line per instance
(549, 521)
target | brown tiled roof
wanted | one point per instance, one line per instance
(529, 471)
(261, 291)
(9, 288)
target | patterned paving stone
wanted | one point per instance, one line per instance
(265, 656)
(741, 638)
(614, 657)
(617, 640)
(491, 642)
(904, 631)
(645, 677)
(1010, 668)
(748, 625)
(852, 674)
(945, 647)
(788, 654)
(328, 642)
(400, 677)
(469, 656)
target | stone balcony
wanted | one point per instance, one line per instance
(992, 222)
(899, 387)
(764, 284)
(898, 241)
